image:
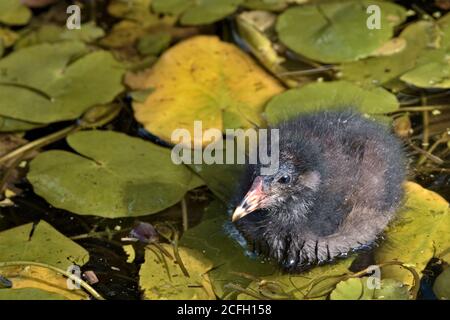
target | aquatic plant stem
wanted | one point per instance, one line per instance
(184, 214)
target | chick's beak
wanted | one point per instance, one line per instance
(251, 201)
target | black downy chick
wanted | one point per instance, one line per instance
(338, 185)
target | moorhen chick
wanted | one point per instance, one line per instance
(338, 185)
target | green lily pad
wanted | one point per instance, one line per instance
(422, 46)
(329, 95)
(8, 37)
(316, 283)
(29, 294)
(391, 289)
(13, 125)
(271, 5)
(441, 286)
(352, 289)
(197, 12)
(44, 245)
(358, 289)
(13, 12)
(230, 263)
(154, 43)
(114, 176)
(161, 278)
(69, 81)
(430, 75)
(337, 31)
(51, 33)
(419, 233)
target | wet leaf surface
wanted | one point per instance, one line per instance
(69, 82)
(329, 95)
(125, 176)
(215, 82)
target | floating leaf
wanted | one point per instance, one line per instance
(115, 176)
(422, 40)
(29, 294)
(419, 233)
(12, 125)
(154, 43)
(61, 252)
(316, 283)
(162, 278)
(8, 37)
(213, 81)
(196, 12)
(430, 75)
(336, 31)
(13, 12)
(51, 33)
(441, 286)
(358, 289)
(25, 243)
(212, 237)
(43, 280)
(392, 289)
(273, 5)
(329, 95)
(352, 289)
(69, 81)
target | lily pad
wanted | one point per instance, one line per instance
(314, 284)
(197, 12)
(419, 233)
(161, 278)
(40, 283)
(422, 44)
(352, 289)
(392, 289)
(154, 43)
(430, 75)
(329, 95)
(29, 294)
(13, 12)
(212, 238)
(17, 245)
(25, 243)
(51, 33)
(12, 125)
(69, 81)
(337, 32)
(214, 82)
(441, 286)
(114, 176)
(358, 289)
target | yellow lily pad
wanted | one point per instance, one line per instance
(162, 278)
(204, 79)
(420, 232)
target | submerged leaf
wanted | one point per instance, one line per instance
(114, 176)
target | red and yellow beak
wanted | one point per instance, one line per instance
(251, 202)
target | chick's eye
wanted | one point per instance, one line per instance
(285, 179)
